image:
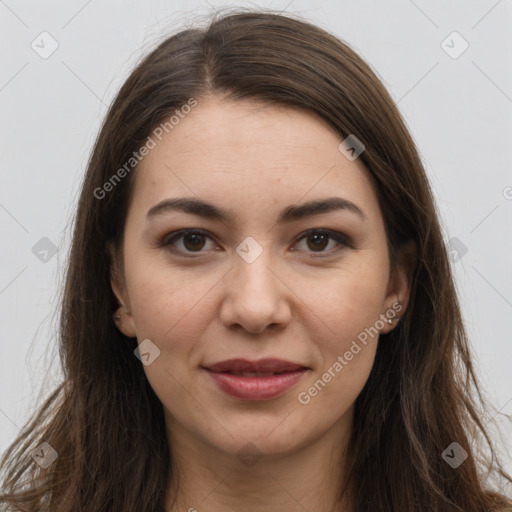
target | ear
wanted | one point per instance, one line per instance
(125, 321)
(399, 286)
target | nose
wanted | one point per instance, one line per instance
(256, 296)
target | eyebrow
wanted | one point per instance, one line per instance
(290, 213)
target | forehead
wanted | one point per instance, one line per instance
(250, 155)
(229, 130)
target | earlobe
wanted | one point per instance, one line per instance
(124, 322)
(122, 318)
(399, 288)
(406, 263)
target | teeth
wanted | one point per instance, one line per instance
(253, 374)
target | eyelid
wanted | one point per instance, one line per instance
(342, 239)
(176, 235)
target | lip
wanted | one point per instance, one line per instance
(255, 387)
(262, 365)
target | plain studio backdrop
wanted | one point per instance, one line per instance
(447, 65)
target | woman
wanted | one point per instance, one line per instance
(259, 312)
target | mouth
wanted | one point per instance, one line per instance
(269, 366)
(254, 374)
(255, 380)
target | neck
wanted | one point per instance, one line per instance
(207, 479)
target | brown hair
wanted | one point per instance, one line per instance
(105, 421)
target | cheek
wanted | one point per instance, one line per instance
(346, 301)
(172, 311)
(329, 397)
(349, 308)
(165, 300)
(346, 353)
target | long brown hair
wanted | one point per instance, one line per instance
(104, 420)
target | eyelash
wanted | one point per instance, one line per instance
(338, 237)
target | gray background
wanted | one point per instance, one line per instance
(458, 108)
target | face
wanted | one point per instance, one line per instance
(273, 279)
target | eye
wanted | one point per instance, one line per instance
(319, 240)
(191, 239)
(194, 240)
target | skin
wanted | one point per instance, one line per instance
(213, 305)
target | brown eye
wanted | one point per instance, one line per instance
(318, 241)
(193, 241)
(186, 241)
(189, 241)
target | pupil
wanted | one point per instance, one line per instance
(195, 237)
(316, 237)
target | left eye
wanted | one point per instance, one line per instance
(320, 239)
(193, 240)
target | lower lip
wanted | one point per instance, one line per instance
(256, 388)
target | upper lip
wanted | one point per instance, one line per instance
(262, 365)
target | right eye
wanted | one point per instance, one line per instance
(192, 240)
